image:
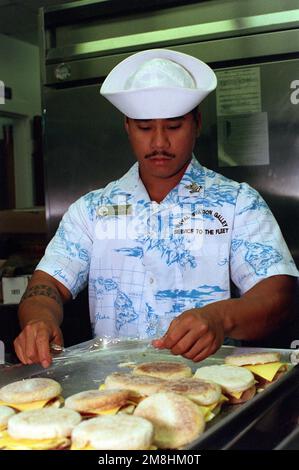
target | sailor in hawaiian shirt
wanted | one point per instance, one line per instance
(160, 247)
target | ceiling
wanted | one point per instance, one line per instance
(18, 18)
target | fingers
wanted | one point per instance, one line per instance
(182, 336)
(193, 340)
(19, 351)
(43, 349)
(33, 344)
(37, 336)
(185, 344)
(175, 333)
(206, 341)
(163, 342)
(192, 334)
(29, 346)
(57, 337)
(158, 343)
(206, 352)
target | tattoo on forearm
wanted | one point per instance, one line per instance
(42, 289)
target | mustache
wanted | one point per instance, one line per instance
(160, 153)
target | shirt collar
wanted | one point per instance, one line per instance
(131, 183)
(191, 184)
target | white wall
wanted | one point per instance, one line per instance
(19, 70)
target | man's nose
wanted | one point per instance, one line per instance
(160, 139)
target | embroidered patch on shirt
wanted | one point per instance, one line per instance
(193, 187)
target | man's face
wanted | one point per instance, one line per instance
(163, 147)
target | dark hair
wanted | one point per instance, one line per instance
(194, 113)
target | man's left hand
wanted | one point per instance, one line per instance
(195, 334)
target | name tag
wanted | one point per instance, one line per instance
(125, 209)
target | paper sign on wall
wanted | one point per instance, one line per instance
(242, 127)
(243, 140)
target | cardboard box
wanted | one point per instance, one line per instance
(13, 288)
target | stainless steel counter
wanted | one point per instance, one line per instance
(86, 365)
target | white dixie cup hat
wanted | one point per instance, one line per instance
(158, 84)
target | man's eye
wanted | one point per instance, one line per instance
(144, 128)
(177, 126)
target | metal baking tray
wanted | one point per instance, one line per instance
(86, 365)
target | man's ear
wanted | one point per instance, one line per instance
(126, 121)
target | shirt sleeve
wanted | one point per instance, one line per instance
(258, 249)
(67, 257)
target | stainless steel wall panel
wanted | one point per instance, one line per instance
(176, 35)
(98, 27)
(277, 181)
(229, 49)
(86, 147)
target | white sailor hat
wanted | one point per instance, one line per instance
(158, 84)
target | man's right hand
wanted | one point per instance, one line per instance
(33, 343)
(40, 314)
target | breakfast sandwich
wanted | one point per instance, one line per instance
(41, 429)
(29, 394)
(5, 414)
(237, 384)
(177, 420)
(163, 370)
(143, 386)
(207, 395)
(119, 432)
(91, 403)
(265, 366)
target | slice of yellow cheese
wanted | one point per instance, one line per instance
(207, 414)
(2, 434)
(34, 405)
(266, 371)
(223, 399)
(207, 411)
(87, 447)
(7, 442)
(236, 395)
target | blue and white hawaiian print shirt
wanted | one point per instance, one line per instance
(145, 263)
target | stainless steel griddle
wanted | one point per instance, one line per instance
(86, 365)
